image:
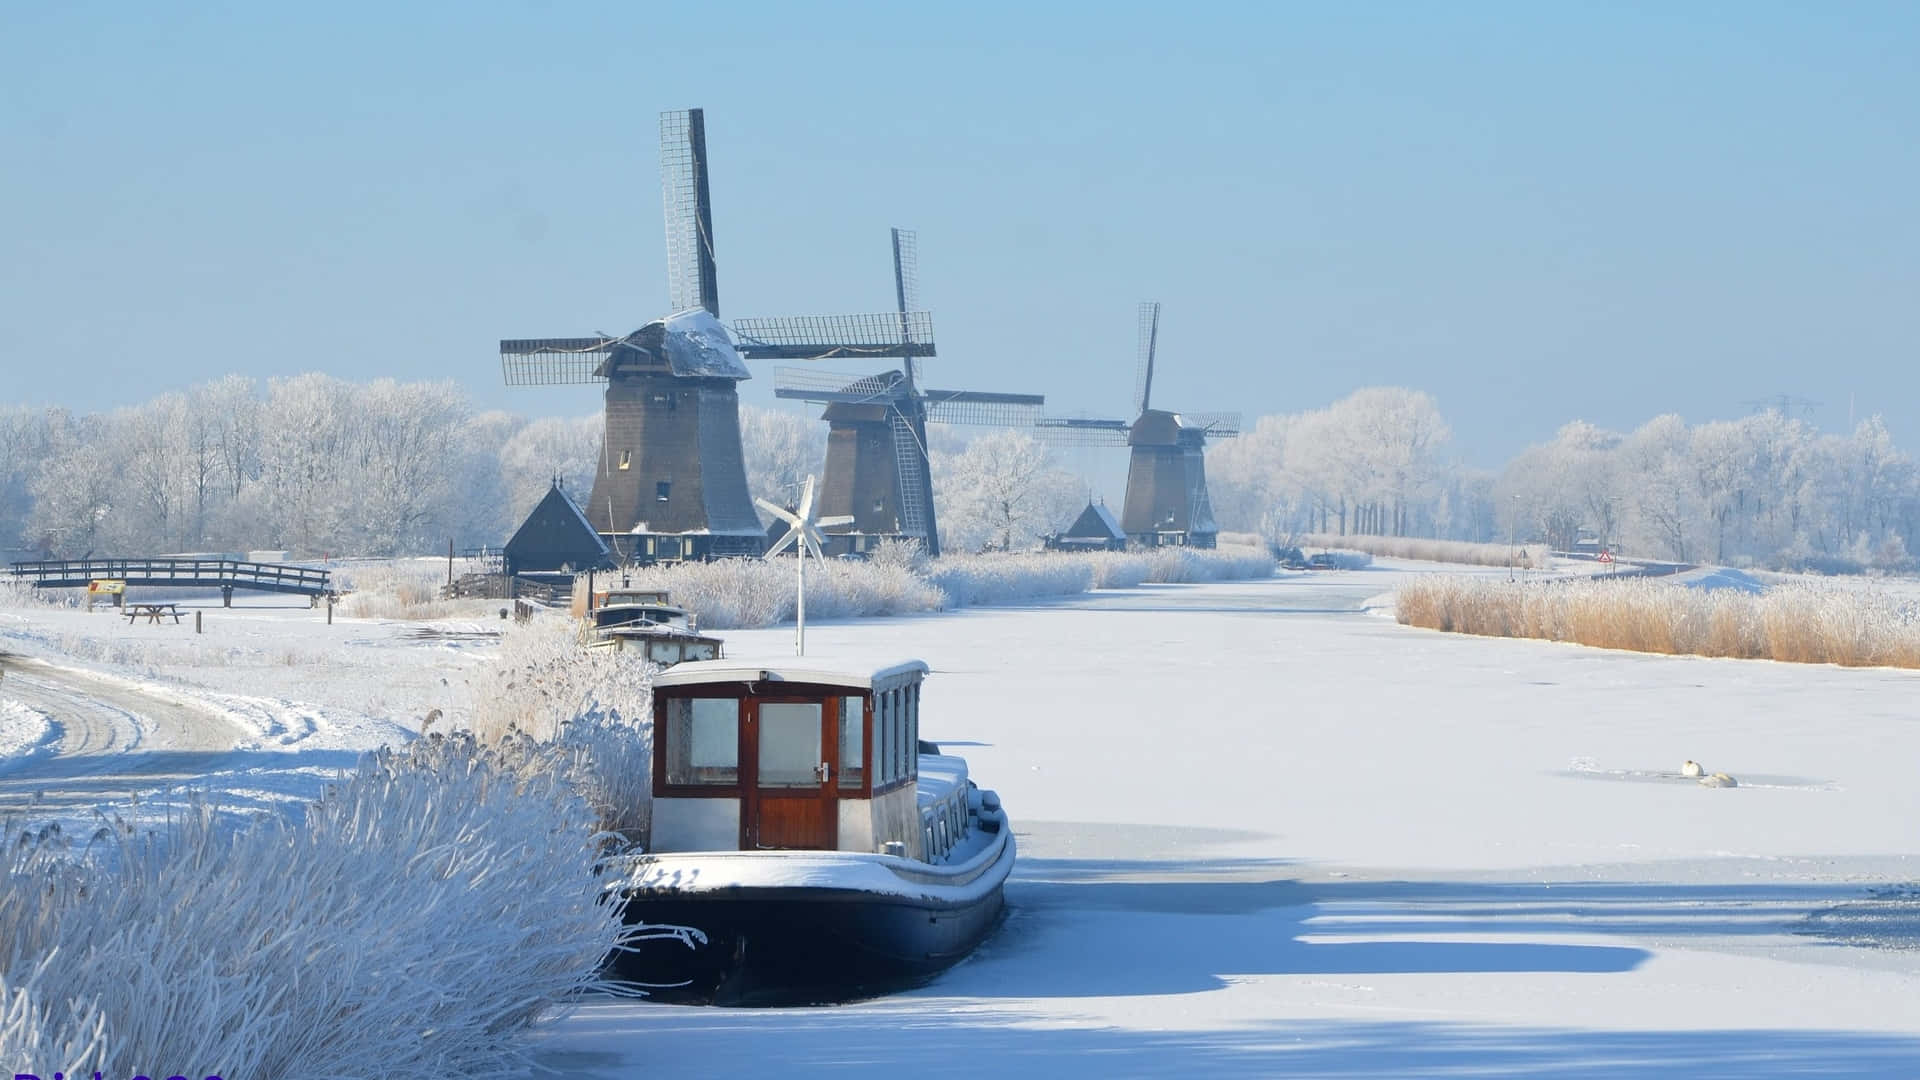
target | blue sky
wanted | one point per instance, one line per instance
(1534, 212)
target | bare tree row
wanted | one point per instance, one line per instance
(1761, 490)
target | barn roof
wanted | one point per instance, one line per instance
(1096, 521)
(556, 534)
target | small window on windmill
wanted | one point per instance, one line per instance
(878, 505)
(660, 491)
(626, 459)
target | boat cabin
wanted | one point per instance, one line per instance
(649, 614)
(751, 756)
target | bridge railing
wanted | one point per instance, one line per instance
(237, 573)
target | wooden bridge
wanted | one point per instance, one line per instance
(224, 574)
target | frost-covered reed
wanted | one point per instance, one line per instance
(399, 589)
(743, 593)
(430, 909)
(1459, 552)
(584, 714)
(1803, 623)
(731, 594)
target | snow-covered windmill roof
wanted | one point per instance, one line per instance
(698, 345)
(692, 343)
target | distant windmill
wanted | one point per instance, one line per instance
(671, 482)
(803, 535)
(877, 473)
(1167, 501)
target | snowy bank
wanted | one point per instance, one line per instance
(25, 733)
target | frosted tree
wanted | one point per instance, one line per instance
(781, 449)
(1002, 494)
(1556, 490)
(547, 449)
(307, 425)
(26, 439)
(404, 449)
(74, 491)
(481, 514)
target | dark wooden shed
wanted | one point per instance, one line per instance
(557, 535)
(1096, 529)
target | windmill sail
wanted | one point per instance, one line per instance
(554, 361)
(692, 278)
(1149, 339)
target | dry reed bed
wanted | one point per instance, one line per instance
(1796, 623)
(1535, 556)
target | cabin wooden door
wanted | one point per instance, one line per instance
(790, 799)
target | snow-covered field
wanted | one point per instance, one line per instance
(1264, 831)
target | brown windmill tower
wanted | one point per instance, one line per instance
(1167, 501)
(671, 482)
(877, 469)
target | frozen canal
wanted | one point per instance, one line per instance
(1266, 831)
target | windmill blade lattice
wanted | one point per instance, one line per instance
(1081, 431)
(554, 361)
(822, 337)
(1149, 341)
(1217, 425)
(983, 408)
(692, 278)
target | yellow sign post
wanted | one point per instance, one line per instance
(105, 587)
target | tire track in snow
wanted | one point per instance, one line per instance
(117, 738)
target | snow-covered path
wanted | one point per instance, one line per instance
(259, 710)
(1266, 832)
(114, 738)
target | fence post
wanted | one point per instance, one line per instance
(226, 596)
(329, 609)
(196, 622)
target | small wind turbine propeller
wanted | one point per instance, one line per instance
(803, 534)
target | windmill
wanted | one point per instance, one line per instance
(1167, 499)
(671, 482)
(877, 474)
(803, 535)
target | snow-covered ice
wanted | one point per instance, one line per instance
(1266, 831)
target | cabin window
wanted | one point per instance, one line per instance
(660, 490)
(907, 749)
(853, 748)
(626, 459)
(703, 741)
(790, 744)
(896, 730)
(913, 730)
(882, 740)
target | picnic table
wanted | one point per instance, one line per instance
(153, 612)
